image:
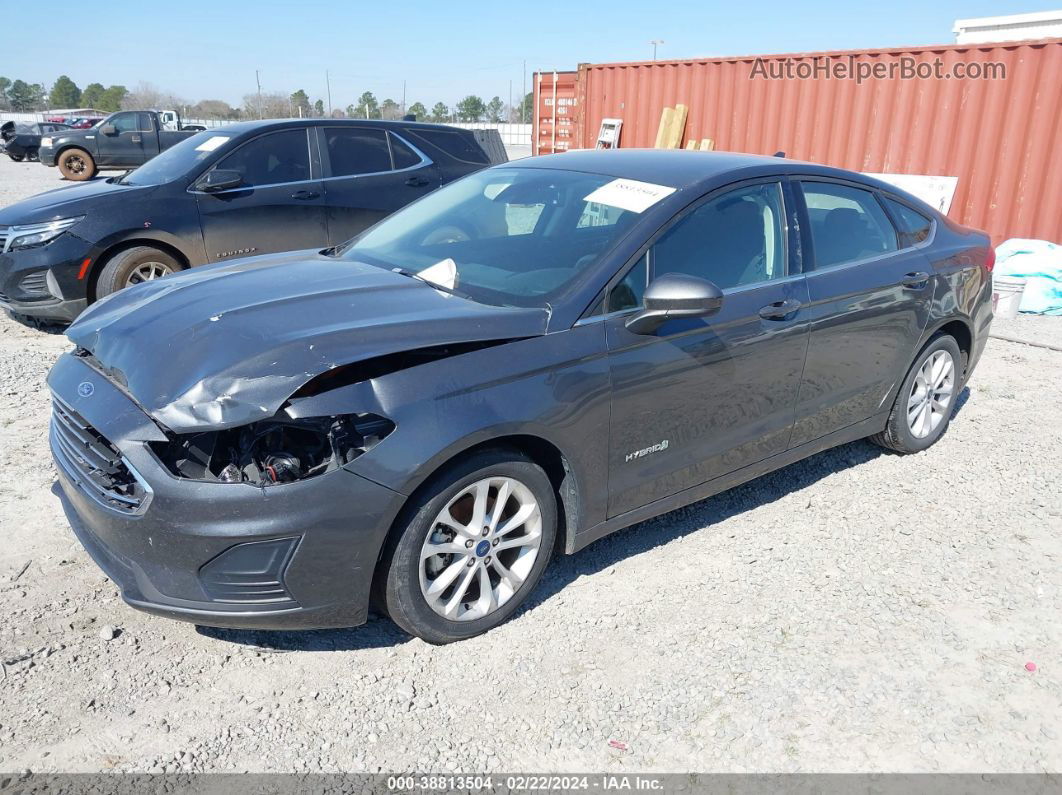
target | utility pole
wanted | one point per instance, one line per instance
(328, 90)
(259, 82)
(510, 114)
(523, 93)
(655, 42)
(403, 97)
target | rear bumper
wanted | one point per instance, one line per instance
(298, 555)
(982, 326)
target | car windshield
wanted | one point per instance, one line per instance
(503, 236)
(178, 160)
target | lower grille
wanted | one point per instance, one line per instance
(252, 572)
(34, 284)
(94, 463)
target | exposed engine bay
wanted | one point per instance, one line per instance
(273, 451)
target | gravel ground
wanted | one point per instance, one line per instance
(19, 180)
(858, 611)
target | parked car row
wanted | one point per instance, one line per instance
(248, 188)
(408, 377)
(76, 122)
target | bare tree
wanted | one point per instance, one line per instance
(274, 106)
(147, 97)
(213, 109)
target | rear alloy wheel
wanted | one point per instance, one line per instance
(929, 401)
(77, 165)
(924, 405)
(134, 266)
(474, 549)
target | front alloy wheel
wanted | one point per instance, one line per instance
(481, 550)
(473, 545)
(147, 272)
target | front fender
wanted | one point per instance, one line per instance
(59, 145)
(555, 388)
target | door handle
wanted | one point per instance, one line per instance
(416, 182)
(305, 195)
(915, 280)
(134, 138)
(780, 310)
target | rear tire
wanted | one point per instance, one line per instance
(132, 266)
(485, 572)
(925, 401)
(77, 165)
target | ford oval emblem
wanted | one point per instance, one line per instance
(85, 389)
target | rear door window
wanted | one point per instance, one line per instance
(357, 150)
(274, 158)
(847, 224)
(914, 227)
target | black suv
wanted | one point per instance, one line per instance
(249, 188)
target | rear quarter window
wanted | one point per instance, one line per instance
(453, 143)
(913, 226)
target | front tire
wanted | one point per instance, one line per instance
(16, 158)
(473, 549)
(77, 165)
(924, 404)
(133, 266)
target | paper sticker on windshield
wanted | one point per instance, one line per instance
(443, 273)
(212, 143)
(629, 194)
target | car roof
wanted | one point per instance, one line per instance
(686, 169)
(241, 127)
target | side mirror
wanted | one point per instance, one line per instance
(108, 129)
(219, 179)
(675, 295)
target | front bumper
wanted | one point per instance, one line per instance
(298, 555)
(24, 288)
(46, 155)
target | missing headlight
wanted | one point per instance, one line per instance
(273, 451)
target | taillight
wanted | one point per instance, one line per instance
(990, 259)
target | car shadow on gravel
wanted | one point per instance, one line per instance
(378, 632)
(43, 326)
(566, 569)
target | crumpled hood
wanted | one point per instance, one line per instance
(77, 199)
(227, 344)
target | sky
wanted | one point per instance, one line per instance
(442, 50)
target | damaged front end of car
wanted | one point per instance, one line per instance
(272, 451)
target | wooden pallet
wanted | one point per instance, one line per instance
(672, 125)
